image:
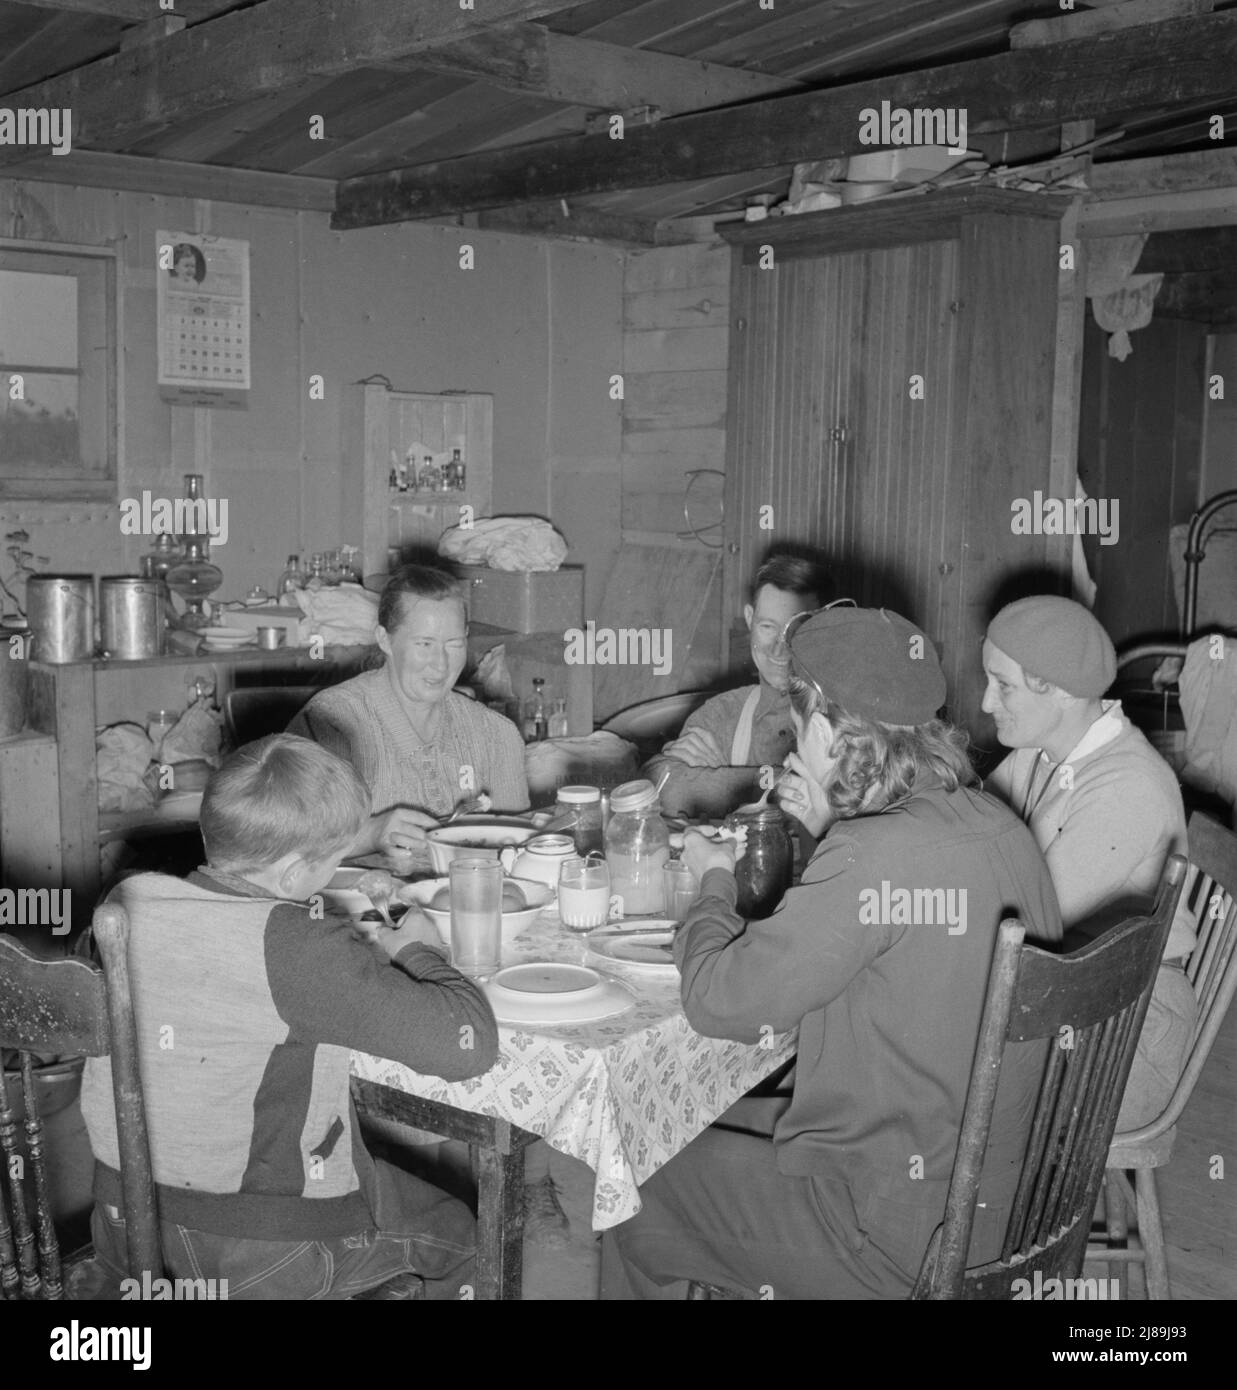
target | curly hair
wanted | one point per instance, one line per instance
(880, 764)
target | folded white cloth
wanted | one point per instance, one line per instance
(341, 615)
(597, 759)
(519, 543)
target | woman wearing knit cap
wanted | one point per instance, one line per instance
(880, 959)
(1102, 804)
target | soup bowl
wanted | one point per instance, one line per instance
(423, 893)
(477, 838)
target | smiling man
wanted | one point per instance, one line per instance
(1104, 807)
(714, 764)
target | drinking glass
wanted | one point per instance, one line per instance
(681, 889)
(476, 916)
(584, 893)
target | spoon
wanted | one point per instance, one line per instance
(478, 804)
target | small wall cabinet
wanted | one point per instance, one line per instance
(384, 430)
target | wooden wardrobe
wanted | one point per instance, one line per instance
(890, 398)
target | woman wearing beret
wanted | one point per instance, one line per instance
(880, 959)
(1103, 806)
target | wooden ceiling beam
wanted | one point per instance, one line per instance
(191, 11)
(173, 179)
(1155, 65)
(1200, 249)
(1167, 173)
(534, 61)
(121, 99)
(119, 9)
(577, 224)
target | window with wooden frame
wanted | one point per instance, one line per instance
(58, 371)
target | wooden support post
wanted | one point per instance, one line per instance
(62, 702)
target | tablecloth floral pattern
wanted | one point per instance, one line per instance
(624, 1094)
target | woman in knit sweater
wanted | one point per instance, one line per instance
(420, 747)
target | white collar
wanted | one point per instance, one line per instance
(1107, 727)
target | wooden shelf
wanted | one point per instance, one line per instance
(246, 656)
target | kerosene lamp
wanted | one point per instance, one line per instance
(194, 577)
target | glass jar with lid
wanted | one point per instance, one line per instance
(577, 813)
(637, 847)
(764, 872)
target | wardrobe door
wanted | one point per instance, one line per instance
(793, 389)
(839, 436)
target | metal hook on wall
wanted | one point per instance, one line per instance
(697, 533)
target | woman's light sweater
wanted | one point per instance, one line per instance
(1106, 818)
(474, 750)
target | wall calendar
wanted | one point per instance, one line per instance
(203, 317)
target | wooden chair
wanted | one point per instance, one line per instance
(71, 1006)
(253, 711)
(1094, 1000)
(1209, 894)
(1100, 994)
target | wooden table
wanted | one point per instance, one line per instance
(497, 1149)
(623, 1095)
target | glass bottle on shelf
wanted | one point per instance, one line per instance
(557, 726)
(332, 569)
(351, 563)
(316, 579)
(535, 722)
(457, 471)
(429, 476)
(393, 476)
(292, 579)
(408, 480)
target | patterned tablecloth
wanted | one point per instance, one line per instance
(624, 1094)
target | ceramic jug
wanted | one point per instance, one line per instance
(542, 857)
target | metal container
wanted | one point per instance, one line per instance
(60, 612)
(14, 648)
(131, 617)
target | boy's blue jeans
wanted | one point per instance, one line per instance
(424, 1232)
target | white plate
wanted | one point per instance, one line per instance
(554, 992)
(227, 643)
(641, 948)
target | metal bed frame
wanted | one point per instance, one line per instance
(1195, 553)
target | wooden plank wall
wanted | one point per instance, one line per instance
(536, 323)
(676, 331)
(1219, 471)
